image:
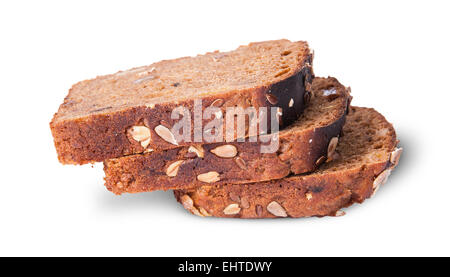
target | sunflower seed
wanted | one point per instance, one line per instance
(231, 209)
(165, 134)
(276, 209)
(235, 197)
(258, 210)
(203, 211)
(188, 204)
(217, 103)
(272, 98)
(225, 151)
(332, 147)
(209, 177)
(320, 160)
(241, 163)
(291, 103)
(381, 178)
(145, 143)
(139, 133)
(172, 169)
(339, 213)
(395, 156)
(198, 150)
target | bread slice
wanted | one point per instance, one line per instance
(367, 154)
(98, 118)
(302, 147)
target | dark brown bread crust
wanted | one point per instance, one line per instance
(103, 135)
(317, 194)
(301, 150)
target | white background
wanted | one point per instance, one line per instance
(394, 55)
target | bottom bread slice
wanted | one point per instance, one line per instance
(366, 155)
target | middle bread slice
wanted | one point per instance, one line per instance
(303, 146)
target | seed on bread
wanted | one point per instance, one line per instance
(225, 151)
(291, 103)
(198, 150)
(395, 156)
(276, 209)
(195, 211)
(146, 78)
(332, 148)
(146, 142)
(217, 103)
(203, 211)
(241, 163)
(258, 210)
(339, 213)
(209, 177)
(187, 201)
(320, 160)
(130, 71)
(374, 191)
(145, 72)
(272, 98)
(172, 169)
(149, 150)
(188, 204)
(232, 209)
(164, 133)
(309, 195)
(381, 178)
(234, 196)
(140, 133)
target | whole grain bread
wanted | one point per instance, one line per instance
(303, 146)
(367, 154)
(119, 114)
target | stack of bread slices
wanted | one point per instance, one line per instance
(249, 133)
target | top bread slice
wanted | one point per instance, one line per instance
(116, 115)
(301, 147)
(366, 156)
